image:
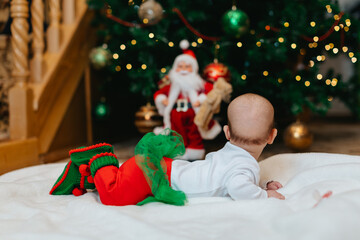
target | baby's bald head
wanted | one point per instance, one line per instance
(250, 119)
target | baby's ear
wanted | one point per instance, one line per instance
(226, 130)
(272, 136)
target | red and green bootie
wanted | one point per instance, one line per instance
(77, 177)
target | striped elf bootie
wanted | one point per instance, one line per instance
(76, 176)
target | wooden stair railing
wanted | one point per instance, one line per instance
(45, 84)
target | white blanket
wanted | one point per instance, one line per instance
(27, 211)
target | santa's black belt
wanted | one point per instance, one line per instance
(182, 106)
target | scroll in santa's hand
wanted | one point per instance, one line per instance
(221, 92)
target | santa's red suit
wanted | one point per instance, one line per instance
(179, 101)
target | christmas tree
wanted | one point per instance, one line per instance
(273, 48)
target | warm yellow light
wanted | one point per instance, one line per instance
(243, 77)
(319, 76)
(322, 57)
(258, 44)
(312, 24)
(341, 25)
(345, 49)
(163, 70)
(171, 44)
(354, 59)
(310, 45)
(267, 28)
(122, 46)
(315, 44)
(318, 58)
(239, 44)
(330, 98)
(151, 35)
(336, 28)
(217, 46)
(328, 81)
(346, 29)
(194, 44)
(143, 67)
(200, 40)
(351, 54)
(117, 68)
(334, 82)
(145, 21)
(128, 66)
(307, 83)
(335, 50)
(252, 31)
(336, 17)
(328, 8)
(281, 39)
(298, 78)
(302, 51)
(280, 80)
(133, 42)
(265, 73)
(348, 22)
(331, 45)
(293, 45)
(327, 47)
(316, 38)
(115, 56)
(311, 63)
(286, 24)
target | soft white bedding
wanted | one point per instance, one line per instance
(27, 211)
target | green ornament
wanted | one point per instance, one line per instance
(101, 110)
(235, 22)
(100, 57)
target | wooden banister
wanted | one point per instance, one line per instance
(68, 11)
(53, 33)
(37, 21)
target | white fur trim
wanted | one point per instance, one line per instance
(193, 154)
(188, 59)
(159, 105)
(212, 132)
(184, 44)
(202, 97)
(158, 130)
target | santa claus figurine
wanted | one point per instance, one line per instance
(179, 101)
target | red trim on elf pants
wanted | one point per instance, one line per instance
(125, 185)
(62, 179)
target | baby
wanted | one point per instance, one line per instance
(152, 175)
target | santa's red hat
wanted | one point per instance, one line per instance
(184, 45)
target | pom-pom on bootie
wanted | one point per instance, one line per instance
(76, 176)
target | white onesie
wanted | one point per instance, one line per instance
(229, 172)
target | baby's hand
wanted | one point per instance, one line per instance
(275, 194)
(274, 185)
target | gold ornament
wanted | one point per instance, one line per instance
(147, 118)
(298, 137)
(150, 12)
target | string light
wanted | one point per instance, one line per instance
(348, 22)
(334, 82)
(200, 40)
(354, 59)
(217, 46)
(122, 46)
(265, 73)
(145, 21)
(286, 24)
(280, 80)
(335, 50)
(133, 42)
(151, 35)
(298, 78)
(115, 56)
(312, 24)
(128, 66)
(346, 29)
(328, 8)
(243, 77)
(143, 67)
(117, 68)
(281, 39)
(318, 58)
(293, 45)
(258, 44)
(345, 49)
(351, 54)
(336, 17)
(336, 28)
(323, 57)
(327, 47)
(311, 63)
(328, 81)
(239, 44)
(302, 51)
(315, 44)
(267, 28)
(252, 32)
(171, 44)
(316, 38)
(330, 98)
(194, 44)
(163, 70)
(307, 83)
(319, 76)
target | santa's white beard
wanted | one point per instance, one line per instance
(188, 85)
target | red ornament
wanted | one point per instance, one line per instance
(214, 71)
